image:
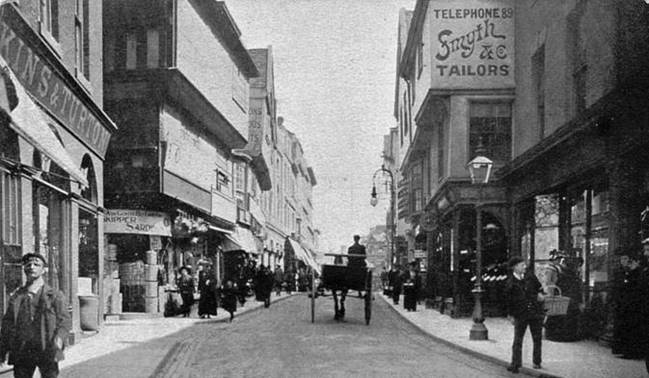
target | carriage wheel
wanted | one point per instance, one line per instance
(368, 306)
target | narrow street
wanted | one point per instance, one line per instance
(282, 342)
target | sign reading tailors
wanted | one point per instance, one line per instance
(472, 44)
(141, 222)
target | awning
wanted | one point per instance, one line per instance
(219, 229)
(30, 122)
(303, 255)
(241, 239)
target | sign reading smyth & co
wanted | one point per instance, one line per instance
(49, 89)
(473, 44)
(143, 222)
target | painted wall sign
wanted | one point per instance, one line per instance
(472, 45)
(51, 91)
(119, 221)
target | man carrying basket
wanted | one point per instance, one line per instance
(524, 295)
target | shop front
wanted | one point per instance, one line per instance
(51, 171)
(451, 244)
(584, 197)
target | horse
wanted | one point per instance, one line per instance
(339, 306)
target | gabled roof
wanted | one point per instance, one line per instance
(221, 22)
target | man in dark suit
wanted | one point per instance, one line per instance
(36, 324)
(524, 308)
(356, 249)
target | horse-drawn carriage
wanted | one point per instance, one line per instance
(341, 278)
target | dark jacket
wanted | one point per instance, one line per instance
(356, 261)
(52, 310)
(522, 297)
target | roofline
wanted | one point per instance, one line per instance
(418, 17)
(220, 19)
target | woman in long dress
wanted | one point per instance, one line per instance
(186, 288)
(207, 287)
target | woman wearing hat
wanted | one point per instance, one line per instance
(186, 288)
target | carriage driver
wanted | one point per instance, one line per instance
(356, 249)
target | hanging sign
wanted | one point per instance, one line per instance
(142, 222)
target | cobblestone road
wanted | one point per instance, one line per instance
(282, 342)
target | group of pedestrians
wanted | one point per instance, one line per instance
(399, 280)
(525, 298)
(211, 294)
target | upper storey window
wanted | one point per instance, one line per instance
(49, 22)
(491, 125)
(82, 43)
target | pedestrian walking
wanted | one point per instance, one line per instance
(229, 298)
(411, 287)
(384, 280)
(564, 275)
(628, 326)
(289, 280)
(396, 283)
(207, 287)
(279, 279)
(263, 285)
(186, 287)
(524, 295)
(36, 325)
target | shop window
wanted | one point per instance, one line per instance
(47, 212)
(578, 224)
(88, 249)
(597, 258)
(10, 218)
(90, 192)
(546, 233)
(490, 125)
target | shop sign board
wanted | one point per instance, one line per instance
(142, 222)
(420, 253)
(472, 44)
(45, 85)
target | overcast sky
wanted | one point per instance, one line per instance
(335, 63)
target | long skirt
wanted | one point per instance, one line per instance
(188, 301)
(207, 303)
(409, 298)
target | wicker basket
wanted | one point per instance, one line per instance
(556, 304)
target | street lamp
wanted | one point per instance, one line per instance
(480, 170)
(374, 201)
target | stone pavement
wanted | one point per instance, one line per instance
(117, 335)
(567, 359)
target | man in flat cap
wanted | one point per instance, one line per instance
(36, 324)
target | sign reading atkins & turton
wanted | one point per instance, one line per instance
(472, 44)
(49, 89)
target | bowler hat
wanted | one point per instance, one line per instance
(515, 260)
(28, 256)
